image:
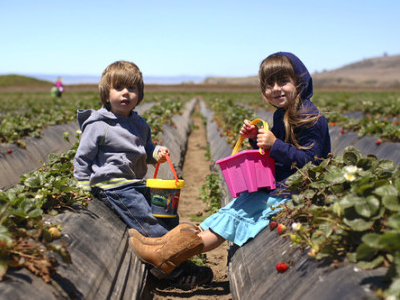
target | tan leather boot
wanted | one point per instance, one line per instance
(180, 245)
(157, 241)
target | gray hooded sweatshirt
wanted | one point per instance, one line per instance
(114, 150)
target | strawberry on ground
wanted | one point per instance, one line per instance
(272, 225)
(281, 229)
(281, 267)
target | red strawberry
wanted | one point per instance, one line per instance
(378, 142)
(281, 229)
(342, 131)
(272, 225)
(9, 151)
(281, 267)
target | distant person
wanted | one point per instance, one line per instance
(58, 89)
(299, 135)
(112, 157)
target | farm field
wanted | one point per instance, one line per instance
(25, 115)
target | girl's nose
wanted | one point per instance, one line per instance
(276, 86)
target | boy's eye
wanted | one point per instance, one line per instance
(129, 88)
(132, 88)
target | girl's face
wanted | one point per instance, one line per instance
(281, 93)
(123, 99)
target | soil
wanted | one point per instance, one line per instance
(196, 166)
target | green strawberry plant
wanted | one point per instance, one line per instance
(211, 192)
(25, 238)
(348, 208)
(161, 113)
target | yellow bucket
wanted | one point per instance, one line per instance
(165, 197)
(165, 194)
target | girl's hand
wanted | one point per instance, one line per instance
(249, 131)
(161, 157)
(265, 139)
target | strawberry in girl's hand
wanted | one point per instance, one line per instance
(281, 267)
(272, 225)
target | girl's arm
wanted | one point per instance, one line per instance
(316, 136)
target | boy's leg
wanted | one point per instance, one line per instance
(132, 206)
(136, 213)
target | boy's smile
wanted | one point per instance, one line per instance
(123, 100)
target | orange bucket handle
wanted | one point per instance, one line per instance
(170, 165)
(242, 137)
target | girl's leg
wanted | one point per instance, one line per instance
(211, 240)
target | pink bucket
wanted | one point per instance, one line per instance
(248, 170)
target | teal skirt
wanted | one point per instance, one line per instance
(244, 217)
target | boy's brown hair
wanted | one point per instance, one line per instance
(122, 73)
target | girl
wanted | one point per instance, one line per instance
(299, 135)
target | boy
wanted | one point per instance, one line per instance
(112, 159)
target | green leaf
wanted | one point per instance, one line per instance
(335, 177)
(358, 224)
(394, 288)
(389, 241)
(367, 207)
(386, 190)
(391, 202)
(34, 181)
(371, 264)
(393, 222)
(365, 252)
(371, 239)
(387, 164)
(351, 155)
(349, 200)
(367, 163)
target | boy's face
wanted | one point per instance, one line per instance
(123, 99)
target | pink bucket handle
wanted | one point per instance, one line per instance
(170, 165)
(242, 137)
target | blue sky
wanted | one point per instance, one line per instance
(201, 38)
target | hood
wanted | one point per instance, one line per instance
(301, 70)
(86, 116)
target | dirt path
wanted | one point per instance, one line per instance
(195, 168)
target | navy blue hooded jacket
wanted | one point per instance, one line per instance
(286, 154)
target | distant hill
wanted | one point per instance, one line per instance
(21, 81)
(377, 72)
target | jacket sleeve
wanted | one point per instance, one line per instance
(85, 155)
(287, 154)
(151, 149)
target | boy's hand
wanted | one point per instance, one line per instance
(249, 131)
(265, 139)
(161, 158)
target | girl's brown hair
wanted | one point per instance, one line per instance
(273, 69)
(120, 73)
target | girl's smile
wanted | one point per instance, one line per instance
(281, 93)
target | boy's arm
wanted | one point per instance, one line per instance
(85, 155)
(151, 149)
